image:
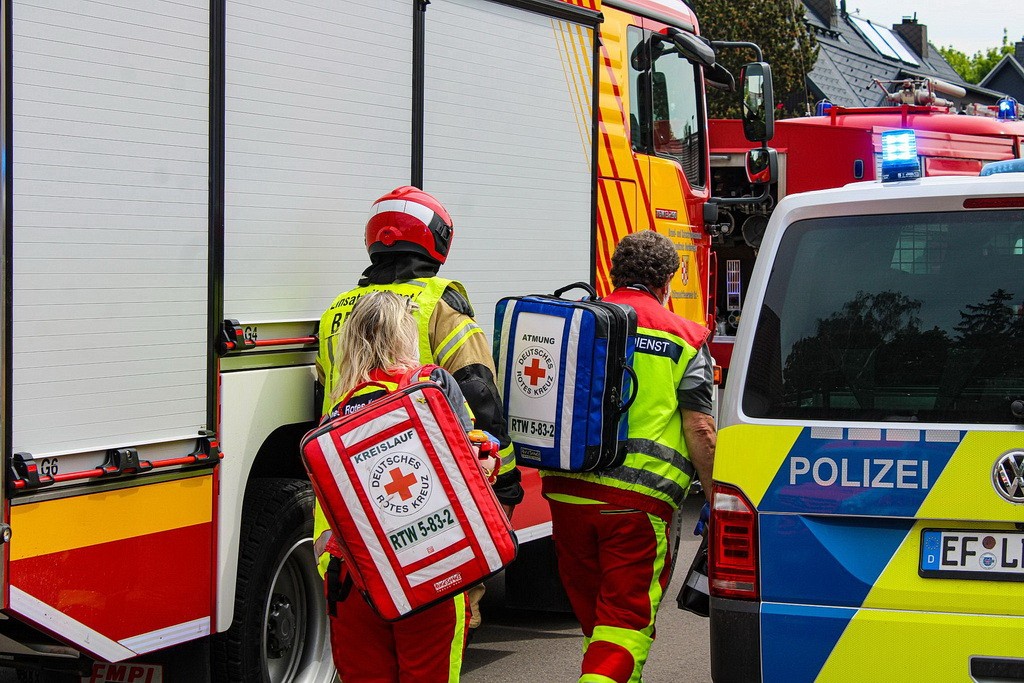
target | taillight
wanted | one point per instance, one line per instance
(732, 548)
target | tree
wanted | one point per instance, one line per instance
(973, 69)
(873, 342)
(788, 42)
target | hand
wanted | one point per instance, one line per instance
(703, 520)
(320, 544)
(487, 452)
(507, 509)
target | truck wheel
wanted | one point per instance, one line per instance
(280, 632)
(675, 532)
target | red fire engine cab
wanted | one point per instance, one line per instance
(839, 147)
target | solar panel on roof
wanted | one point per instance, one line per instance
(893, 41)
(885, 42)
(868, 31)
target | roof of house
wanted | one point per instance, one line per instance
(851, 57)
(1007, 62)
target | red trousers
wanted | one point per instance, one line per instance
(423, 648)
(614, 564)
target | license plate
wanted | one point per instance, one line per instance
(972, 554)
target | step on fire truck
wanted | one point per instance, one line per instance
(184, 188)
(839, 146)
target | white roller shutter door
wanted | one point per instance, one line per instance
(507, 146)
(110, 226)
(318, 125)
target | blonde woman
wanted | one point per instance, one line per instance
(377, 346)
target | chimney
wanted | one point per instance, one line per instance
(914, 34)
(824, 9)
(1019, 52)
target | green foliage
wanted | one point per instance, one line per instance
(973, 69)
(788, 43)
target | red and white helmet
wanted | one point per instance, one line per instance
(407, 219)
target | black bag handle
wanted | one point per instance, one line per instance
(636, 385)
(585, 286)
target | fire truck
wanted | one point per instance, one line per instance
(184, 190)
(840, 146)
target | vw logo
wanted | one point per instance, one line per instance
(1008, 476)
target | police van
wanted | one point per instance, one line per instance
(868, 515)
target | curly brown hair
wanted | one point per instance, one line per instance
(644, 258)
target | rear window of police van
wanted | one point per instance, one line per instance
(915, 317)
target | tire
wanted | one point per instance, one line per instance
(280, 632)
(675, 532)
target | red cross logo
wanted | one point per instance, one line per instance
(400, 484)
(534, 371)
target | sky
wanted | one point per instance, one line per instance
(947, 25)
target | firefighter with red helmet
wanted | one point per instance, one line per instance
(408, 237)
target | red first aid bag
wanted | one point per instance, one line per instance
(402, 490)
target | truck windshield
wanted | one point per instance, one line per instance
(916, 317)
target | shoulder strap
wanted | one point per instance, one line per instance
(420, 374)
(351, 392)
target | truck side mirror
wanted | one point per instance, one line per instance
(717, 76)
(691, 47)
(762, 166)
(758, 95)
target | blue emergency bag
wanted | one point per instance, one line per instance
(564, 374)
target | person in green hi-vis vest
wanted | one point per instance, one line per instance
(610, 527)
(408, 237)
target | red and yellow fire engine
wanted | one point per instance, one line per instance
(184, 190)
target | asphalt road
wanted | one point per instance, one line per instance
(537, 647)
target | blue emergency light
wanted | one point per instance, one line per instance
(1008, 166)
(1008, 109)
(822, 108)
(899, 156)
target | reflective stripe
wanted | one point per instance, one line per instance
(655, 592)
(415, 209)
(635, 642)
(363, 525)
(569, 382)
(654, 449)
(506, 326)
(455, 340)
(460, 488)
(425, 292)
(656, 462)
(698, 582)
(458, 639)
(633, 476)
(667, 487)
(635, 472)
(508, 459)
